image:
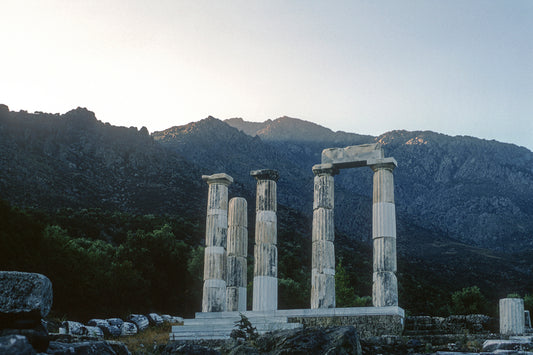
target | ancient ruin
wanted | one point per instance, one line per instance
(384, 288)
(214, 292)
(224, 293)
(265, 294)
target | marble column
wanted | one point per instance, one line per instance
(214, 291)
(385, 284)
(323, 236)
(265, 296)
(237, 250)
(512, 320)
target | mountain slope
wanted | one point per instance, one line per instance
(73, 160)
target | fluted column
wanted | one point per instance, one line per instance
(237, 251)
(214, 291)
(385, 284)
(512, 320)
(265, 296)
(323, 236)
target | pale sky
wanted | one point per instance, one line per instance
(454, 67)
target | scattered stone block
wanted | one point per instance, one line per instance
(74, 328)
(155, 319)
(140, 321)
(115, 321)
(23, 296)
(128, 328)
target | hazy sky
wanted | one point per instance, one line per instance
(456, 67)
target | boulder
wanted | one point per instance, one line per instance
(74, 328)
(24, 296)
(115, 321)
(128, 328)
(331, 340)
(88, 348)
(15, 345)
(107, 329)
(155, 319)
(140, 321)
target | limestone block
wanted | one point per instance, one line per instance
(266, 260)
(141, 321)
(323, 224)
(214, 263)
(128, 328)
(385, 254)
(237, 243)
(322, 290)
(324, 192)
(238, 212)
(384, 289)
(323, 255)
(512, 316)
(217, 197)
(266, 227)
(25, 294)
(216, 230)
(266, 199)
(383, 185)
(235, 299)
(155, 319)
(352, 156)
(265, 293)
(236, 271)
(214, 296)
(383, 220)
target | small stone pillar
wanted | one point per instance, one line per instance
(237, 251)
(385, 284)
(323, 236)
(265, 296)
(214, 291)
(512, 316)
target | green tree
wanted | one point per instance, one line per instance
(528, 302)
(469, 300)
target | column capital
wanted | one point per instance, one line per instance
(325, 169)
(265, 174)
(384, 163)
(220, 178)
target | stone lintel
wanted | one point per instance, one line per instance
(325, 169)
(265, 174)
(220, 178)
(353, 156)
(383, 163)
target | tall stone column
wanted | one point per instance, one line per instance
(512, 321)
(214, 291)
(385, 284)
(237, 251)
(323, 235)
(265, 296)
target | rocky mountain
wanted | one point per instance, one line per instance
(464, 205)
(52, 161)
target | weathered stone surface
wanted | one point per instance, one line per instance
(322, 285)
(88, 348)
(15, 345)
(265, 289)
(323, 224)
(128, 328)
(384, 289)
(139, 320)
(352, 156)
(385, 254)
(188, 349)
(155, 319)
(115, 321)
(25, 294)
(236, 275)
(74, 328)
(214, 300)
(324, 194)
(334, 340)
(512, 316)
(237, 212)
(107, 329)
(323, 256)
(516, 346)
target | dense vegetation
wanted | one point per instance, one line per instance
(106, 264)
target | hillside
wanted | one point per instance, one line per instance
(464, 211)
